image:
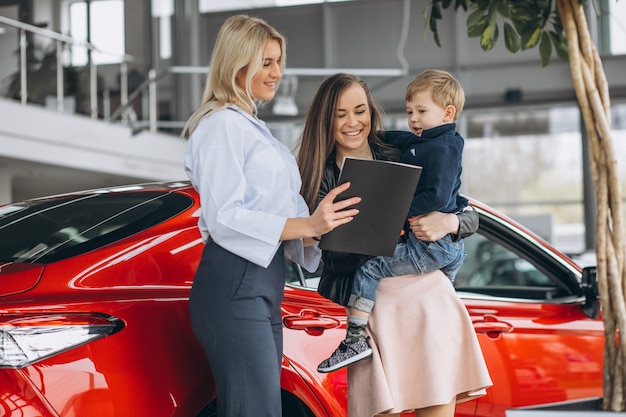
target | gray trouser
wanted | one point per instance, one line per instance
(234, 306)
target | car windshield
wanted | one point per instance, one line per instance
(53, 229)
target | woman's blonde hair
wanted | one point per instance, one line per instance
(239, 46)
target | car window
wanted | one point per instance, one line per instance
(300, 277)
(488, 263)
(53, 229)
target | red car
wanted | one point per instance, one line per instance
(94, 321)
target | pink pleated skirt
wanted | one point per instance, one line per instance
(425, 350)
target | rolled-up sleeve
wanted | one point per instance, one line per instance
(306, 256)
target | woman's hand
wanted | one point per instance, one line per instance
(327, 216)
(330, 214)
(433, 226)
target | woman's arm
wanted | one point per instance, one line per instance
(435, 225)
(468, 223)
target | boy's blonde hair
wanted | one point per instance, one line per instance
(445, 89)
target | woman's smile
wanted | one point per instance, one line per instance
(352, 121)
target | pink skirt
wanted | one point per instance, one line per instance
(425, 350)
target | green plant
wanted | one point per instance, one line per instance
(560, 26)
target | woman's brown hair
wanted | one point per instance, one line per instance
(317, 142)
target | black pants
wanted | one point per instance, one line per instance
(234, 307)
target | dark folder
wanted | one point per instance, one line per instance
(386, 189)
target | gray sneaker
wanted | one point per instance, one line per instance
(346, 354)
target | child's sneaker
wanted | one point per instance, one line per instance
(346, 354)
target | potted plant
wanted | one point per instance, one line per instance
(562, 26)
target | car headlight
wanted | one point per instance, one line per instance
(28, 338)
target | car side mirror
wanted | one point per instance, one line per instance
(589, 285)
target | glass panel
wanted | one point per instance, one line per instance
(312, 279)
(163, 10)
(300, 277)
(490, 264)
(107, 30)
(528, 163)
(50, 230)
(617, 26)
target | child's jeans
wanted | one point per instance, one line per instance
(413, 257)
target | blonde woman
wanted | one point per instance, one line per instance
(252, 217)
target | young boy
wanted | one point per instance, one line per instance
(434, 100)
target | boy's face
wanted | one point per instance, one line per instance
(424, 114)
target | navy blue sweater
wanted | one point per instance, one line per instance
(439, 152)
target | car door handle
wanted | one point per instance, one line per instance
(492, 326)
(310, 321)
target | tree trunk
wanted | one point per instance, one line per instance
(593, 98)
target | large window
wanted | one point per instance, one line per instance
(105, 29)
(528, 163)
(163, 11)
(617, 25)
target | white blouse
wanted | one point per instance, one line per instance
(249, 184)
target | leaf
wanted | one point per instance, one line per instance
(436, 37)
(560, 45)
(436, 12)
(433, 24)
(482, 4)
(545, 5)
(545, 49)
(521, 17)
(489, 37)
(476, 24)
(557, 24)
(430, 23)
(475, 17)
(530, 37)
(427, 13)
(511, 38)
(503, 9)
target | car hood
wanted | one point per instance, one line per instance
(18, 277)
